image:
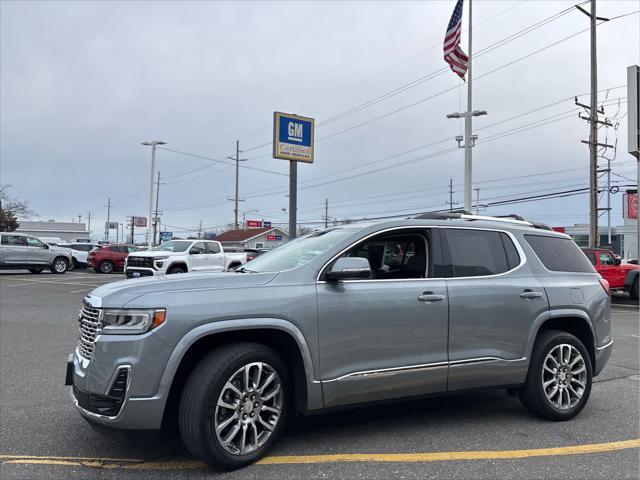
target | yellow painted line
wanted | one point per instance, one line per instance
(167, 464)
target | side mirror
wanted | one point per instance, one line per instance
(617, 261)
(46, 246)
(349, 268)
(194, 251)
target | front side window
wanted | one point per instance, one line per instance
(559, 254)
(606, 259)
(198, 247)
(394, 255)
(14, 240)
(477, 253)
(34, 242)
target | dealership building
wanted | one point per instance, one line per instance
(66, 231)
(262, 237)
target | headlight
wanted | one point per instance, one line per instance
(128, 322)
(161, 258)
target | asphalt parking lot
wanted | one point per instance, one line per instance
(479, 435)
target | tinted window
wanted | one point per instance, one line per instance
(513, 259)
(559, 254)
(198, 248)
(394, 255)
(15, 240)
(592, 257)
(115, 249)
(476, 252)
(212, 247)
(131, 249)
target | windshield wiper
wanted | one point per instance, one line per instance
(244, 270)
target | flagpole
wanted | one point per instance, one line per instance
(467, 130)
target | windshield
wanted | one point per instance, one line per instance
(175, 246)
(298, 252)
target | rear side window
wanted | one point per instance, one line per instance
(14, 240)
(476, 253)
(212, 247)
(559, 254)
(115, 249)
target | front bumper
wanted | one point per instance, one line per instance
(603, 354)
(120, 386)
(135, 272)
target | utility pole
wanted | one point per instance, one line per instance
(153, 144)
(200, 230)
(451, 192)
(133, 227)
(236, 198)
(469, 138)
(89, 225)
(326, 212)
(106, 225)
(155, 217)
(593, 130)
(477, 201)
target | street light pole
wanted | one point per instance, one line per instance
(153, 144)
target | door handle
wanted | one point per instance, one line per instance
(430, 297)
(531, 294)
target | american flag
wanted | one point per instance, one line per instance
(453, 54)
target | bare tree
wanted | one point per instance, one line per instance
(13, 205)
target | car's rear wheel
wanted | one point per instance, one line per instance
(559, 380)
(59, 265)
(36, 270)
(234, 404)
(106, 266)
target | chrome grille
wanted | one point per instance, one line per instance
(89, 325)
(144, 262)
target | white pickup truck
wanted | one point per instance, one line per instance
(181, 256)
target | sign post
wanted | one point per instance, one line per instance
(633, 126)
(293, 141)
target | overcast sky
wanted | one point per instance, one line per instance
(83, 83)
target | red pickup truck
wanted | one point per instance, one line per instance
(621, 276)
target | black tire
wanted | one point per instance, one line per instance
(36, 270)
(106, 266)
(533, 394)
(59, 265)
(198, 404)
(633, 293)
(72, 264)
(176, 269)
(233, 265)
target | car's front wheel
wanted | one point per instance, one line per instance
(233, 405)
(558, 384)
(59, 265)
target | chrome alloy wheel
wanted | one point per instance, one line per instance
(60, 265)
(249, 408)
(564, 376)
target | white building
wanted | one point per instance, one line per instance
(67, 231)
(624, 238)
(264, 237)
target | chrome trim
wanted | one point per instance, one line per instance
(606, 345)
(93, 301)
(523, 257)
(413, 368)
(106, 418)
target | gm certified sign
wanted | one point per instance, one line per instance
(293, 137)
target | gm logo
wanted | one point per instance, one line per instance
(293, 137)
(295, 132)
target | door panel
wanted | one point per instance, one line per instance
(381, 325)
(39, 254)
(198, 261)
(14, 250)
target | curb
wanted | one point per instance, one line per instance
(616, 306)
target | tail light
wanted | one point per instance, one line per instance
(250, 257)
(605, 285)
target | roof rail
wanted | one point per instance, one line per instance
(464, 215)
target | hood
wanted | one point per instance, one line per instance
(629, 266)
(156, 253)
(118, 294)
(55, 248)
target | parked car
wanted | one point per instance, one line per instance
(80, 252)
(109, 258)
(622, 277)
(20, 251)
(324, 322)
(254, 252)
(181, 256)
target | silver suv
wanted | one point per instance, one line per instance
(345, 316)
(20, 251)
